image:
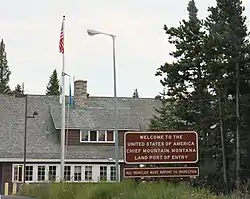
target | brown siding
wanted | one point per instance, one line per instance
(123, 165)
(7, 175)
(121, 137)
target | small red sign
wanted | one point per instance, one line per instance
(161, 172)
(161, 147)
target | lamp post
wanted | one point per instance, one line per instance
(92, 32)
(25, 135)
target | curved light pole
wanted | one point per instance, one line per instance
(92, 32)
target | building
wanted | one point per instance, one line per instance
(89, 152)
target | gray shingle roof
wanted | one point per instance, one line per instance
(41, 139)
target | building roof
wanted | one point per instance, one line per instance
(42, 142)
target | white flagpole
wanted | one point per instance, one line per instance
(67, 133)
(63, 108)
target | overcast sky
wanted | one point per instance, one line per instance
(31, 30)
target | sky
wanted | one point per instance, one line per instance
(31, 29)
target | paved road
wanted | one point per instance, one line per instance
(14, 197)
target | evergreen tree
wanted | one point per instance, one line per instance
(18, 89)
(4, 70)
(161, 121)
(227, 45)
(53, 85)
(136, 94)
(193, 106)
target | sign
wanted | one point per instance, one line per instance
(160, 147)
(161, 172)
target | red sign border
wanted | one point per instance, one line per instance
(163, 132)
(164, 176)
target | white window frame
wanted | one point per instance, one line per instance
(107, 178)
(97, 132)
(33, 169)
(37, 173)
(13, 172)
(95, 172)
(70, 174)
(92, 172)
(81, 173)
(56, 177)
(110, 173)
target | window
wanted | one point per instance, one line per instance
(110, 136)
(93, 135)
(18, 170)
(88, 173)
(101, 135)
(103, 173)
(97, 136)
(112, 173)
(52, 173)
(41, 173)
(77, 173)
(28, 173)
(67, 171)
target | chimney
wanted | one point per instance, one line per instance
(80, 93)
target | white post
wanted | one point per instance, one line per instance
(63, 109)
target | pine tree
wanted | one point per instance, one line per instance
(136, 94)
(53, 85)
(227, 44)
(4, 70)
(193, 106)
(18, 89)
(162, 120)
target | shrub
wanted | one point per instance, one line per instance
(124, 190)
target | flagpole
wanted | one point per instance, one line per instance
(63, 107)
(67, 124)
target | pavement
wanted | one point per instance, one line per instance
(14, 197)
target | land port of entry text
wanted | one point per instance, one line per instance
(177, 149)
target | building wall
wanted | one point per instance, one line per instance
(6, 176)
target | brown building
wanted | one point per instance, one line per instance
(89, 152)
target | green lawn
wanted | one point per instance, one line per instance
(124, 190)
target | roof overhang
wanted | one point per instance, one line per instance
(12, 160)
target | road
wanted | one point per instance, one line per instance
(14, 197)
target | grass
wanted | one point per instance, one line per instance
(123, 190)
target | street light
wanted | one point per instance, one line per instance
(92, 32)
(25, 135)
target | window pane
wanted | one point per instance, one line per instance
(88, 173)
(112, 173)
(67, 172)
(84, 135)
(103, 173)
(93, 135)
(101, 135)
(28, 173)
(41, 173)
(18, 173)
(110, 135)
(77, 173)
(52, 173)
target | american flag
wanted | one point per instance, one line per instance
(61, 42)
